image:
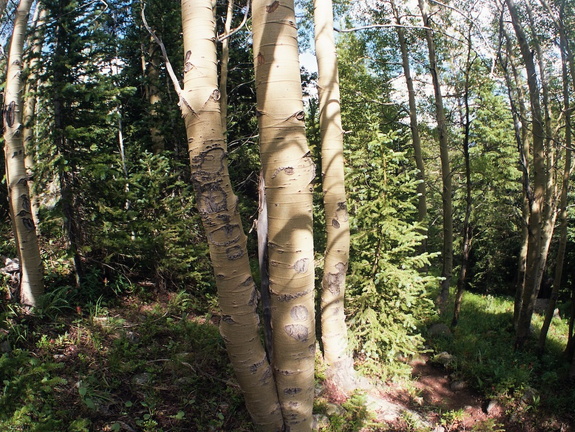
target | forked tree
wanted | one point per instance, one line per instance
(31, 274)
(218, 207)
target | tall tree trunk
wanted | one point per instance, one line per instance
(333, 325)
(447, 250)
(29, 112)
(537, 196)
(414, 126)
(467, 228)
(224, 63)
(288, 173)
(154, 98)
(521, 133)
(31, 281)
(218, 208)
(68, 177)
(565, 54)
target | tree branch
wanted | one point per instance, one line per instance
(238, 28)
(169, 67)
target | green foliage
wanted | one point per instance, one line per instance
(481, 346)
(388, 292)
(150, 366)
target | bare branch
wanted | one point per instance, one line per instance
(238, 28)
(367, 27)
(164, 54)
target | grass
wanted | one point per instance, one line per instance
(135, 365)
(156, 363)
(482, 344)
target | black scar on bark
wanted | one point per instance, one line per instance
(25, 202)
(225, 235)
(335, 280)
(266, 376)
(234, 253)
(290, 391)
(10, 113)
(198, 163)
(254, 368)
(272, 7)
(188, 66)
(212, 198)
(297, 331)
(290, 297)
(299, 313)
(301, 265)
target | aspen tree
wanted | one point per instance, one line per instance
(447, 207)
(218, 207)
(333, 326)
(31, 282)
(288, 172)
(538, 192)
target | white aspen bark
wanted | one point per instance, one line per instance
(217, 205)
(333, 325)
(225, 59)
(288, 173)
(31, 282)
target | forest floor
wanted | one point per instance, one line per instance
(154, 363)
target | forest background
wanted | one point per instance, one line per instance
(457, 148)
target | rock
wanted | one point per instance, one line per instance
(5, 347)
(529, 395)
(439, 428)
(439, 330)
(489, 406)
(332, 409)
(320, 421)
(458, 385)
(444, 358)
(142, 379)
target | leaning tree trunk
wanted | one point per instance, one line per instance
(31, 282)
(447, 250)
(288, 173)
(537, 197)
(218, 207)
(333, 325)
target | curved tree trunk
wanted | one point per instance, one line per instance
(217, 205)
(536, 243)
(31, 282)
(288, 173)
(565, 54)
(333, 325)
(447, 250)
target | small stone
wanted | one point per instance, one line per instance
(142, 379)
(439, 329)
(320, 421)
(458, 385)
(444, 358)
(332, 409)
(490, 406)
(5, 347)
